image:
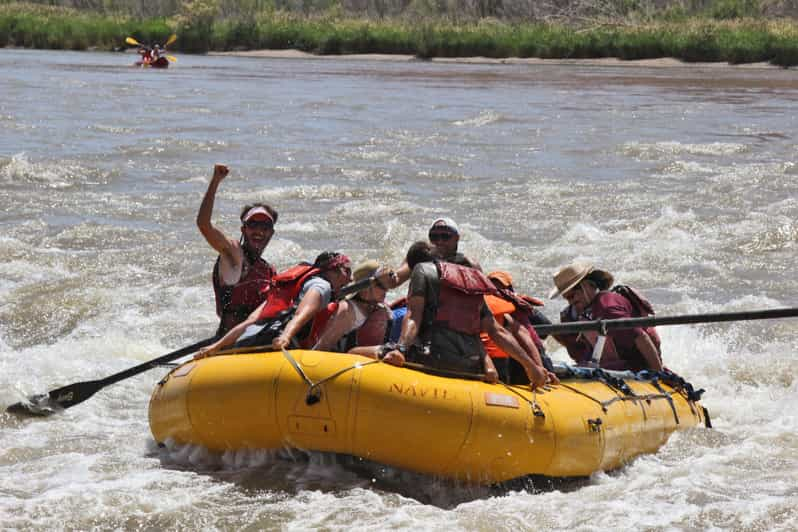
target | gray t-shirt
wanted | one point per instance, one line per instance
(321, 285)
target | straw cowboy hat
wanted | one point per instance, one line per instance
(571, 275)
(364, 270)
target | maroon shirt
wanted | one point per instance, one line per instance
(620, 351)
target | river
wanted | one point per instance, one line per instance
(682, 181)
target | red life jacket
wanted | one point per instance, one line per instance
(499, 307)
(285, 288)
(236, 302)
(374, 329)
(371, 332)
(460, 298)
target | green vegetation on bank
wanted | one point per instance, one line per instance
(719, 35)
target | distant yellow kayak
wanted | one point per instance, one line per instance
(455, 428)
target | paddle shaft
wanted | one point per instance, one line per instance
(653, 321)
(355, 287)
(77, 392)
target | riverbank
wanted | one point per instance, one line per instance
(662, 62)
(739, 41)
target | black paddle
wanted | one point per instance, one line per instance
(653, 321)
(45, 404)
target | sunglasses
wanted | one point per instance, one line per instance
(435, 237)
(264, 225)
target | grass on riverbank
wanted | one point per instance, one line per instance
(733, 41)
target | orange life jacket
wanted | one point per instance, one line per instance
(499, 307)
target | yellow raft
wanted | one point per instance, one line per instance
(450, 427)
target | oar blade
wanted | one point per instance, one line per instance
(34, 406)
(172, 38)
(131, 40)
(171, 58)
(45, 404)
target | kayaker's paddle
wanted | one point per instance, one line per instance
(171, 58)
(172, 38)
(653, 321)
(49, 403)
(132, 41)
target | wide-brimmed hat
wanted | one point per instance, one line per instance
(364, 270)
(571, 275)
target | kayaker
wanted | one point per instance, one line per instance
(241, 276)
(297, 297)
(588, 293)
(146, 55)
(446, 311)
(359, 323)
(512, 311)
(444, 236)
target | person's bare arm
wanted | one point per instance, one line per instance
(309, 306)
(649, 351)
(400, 276)
(231, 336)
(213, 235)
(507, 343)
(340, 323)
(524, 339)
(491, 375)
(411, 324)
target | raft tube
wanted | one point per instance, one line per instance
(455, 428)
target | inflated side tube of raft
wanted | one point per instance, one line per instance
(450, 427)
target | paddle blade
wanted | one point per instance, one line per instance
(131, 40)
(171, 58)
(172, 38)
(46, 404)
(34, 406)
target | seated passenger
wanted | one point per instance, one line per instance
(444, 236)
(361, 319)
(512, 312)
(446, 311)
(297, 297)
(588, 293)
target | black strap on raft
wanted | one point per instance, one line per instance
(655, 383)
(619, 384)
(314, 388)
(314, 393)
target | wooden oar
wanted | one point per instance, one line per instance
(56, 400)
(653, 321)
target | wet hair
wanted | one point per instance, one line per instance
(599, 279)
(328, 260)
(418, 252)
(268, 208)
